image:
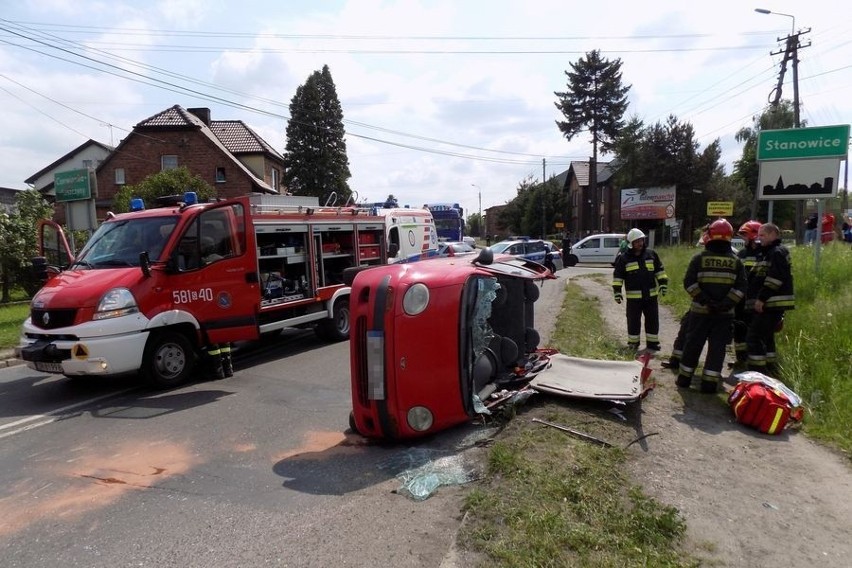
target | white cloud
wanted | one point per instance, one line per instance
(438, 71)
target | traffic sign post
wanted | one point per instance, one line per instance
(72, 185)
(801, 163)
(803, 143)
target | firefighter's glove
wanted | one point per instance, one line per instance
(618, 297)
(664, 289)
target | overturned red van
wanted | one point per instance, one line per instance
(428, 337)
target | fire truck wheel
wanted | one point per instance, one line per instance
(168, 359)
(336, 328)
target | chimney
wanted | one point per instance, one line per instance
(201, 113)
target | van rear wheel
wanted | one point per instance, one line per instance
(168, 359)
(335, 328)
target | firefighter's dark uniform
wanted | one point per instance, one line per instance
(749, 256)
(642, 276)
(771, 283)
(716, 281)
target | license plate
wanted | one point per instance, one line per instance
(48, 367)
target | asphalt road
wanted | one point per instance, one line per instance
(253, 470)
(258, 469)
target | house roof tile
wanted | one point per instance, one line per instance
(240, 139)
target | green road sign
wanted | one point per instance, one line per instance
(72, 185)
(803, 143)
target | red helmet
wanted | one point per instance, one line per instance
(749, 229)
(720, 230)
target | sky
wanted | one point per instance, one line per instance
(443, 100)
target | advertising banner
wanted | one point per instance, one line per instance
(648, 203)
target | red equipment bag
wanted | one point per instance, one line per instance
(762, 407)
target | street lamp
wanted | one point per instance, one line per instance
(765, 11)
(479, 191)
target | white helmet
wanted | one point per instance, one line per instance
(634, 234)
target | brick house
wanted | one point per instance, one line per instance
(591, 210)
(227, 154)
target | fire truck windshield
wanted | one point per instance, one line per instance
(119, 243)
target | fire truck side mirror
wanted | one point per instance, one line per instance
(40, 268)
(145, 263)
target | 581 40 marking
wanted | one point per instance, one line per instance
(187, 296)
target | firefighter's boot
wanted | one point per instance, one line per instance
(215, 370)
(709, 386)
(672, 364)
(227, 363)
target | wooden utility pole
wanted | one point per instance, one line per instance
(791, 54)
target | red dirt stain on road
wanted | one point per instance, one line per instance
(93, 479)
(331, 444)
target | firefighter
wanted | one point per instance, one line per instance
(748, 255)
(640, 271)
(716, 281)
(673, 362)
(214, 365)
(770, 293)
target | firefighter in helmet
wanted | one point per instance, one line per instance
(748, 255)
(770, 293)
(716, 281)
(673, 361)
(640, 272)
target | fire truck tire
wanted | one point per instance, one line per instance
(168, 359)
(352, 425)
(337, 327)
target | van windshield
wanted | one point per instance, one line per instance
(119, 243)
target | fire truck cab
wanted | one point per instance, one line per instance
(152, 288)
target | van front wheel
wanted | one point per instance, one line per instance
(571, 260)
(168, 359)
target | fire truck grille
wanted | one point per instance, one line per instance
(361, 349)
(52, 319)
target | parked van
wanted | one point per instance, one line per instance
(602, 248)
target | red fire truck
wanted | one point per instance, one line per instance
(429, 337)
(151, 288)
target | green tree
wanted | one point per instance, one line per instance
(160, 184)
(18, 234)
(595, 101)
(666, 154)
(535, 209)
(315, 154)
(746, 169)
(628, 151)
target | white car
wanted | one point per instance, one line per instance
(601, 249)
(470, 241)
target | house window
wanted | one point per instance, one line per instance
(87, 164)
(220, 175)
(168, 163)
(275, 179)
(119, 176)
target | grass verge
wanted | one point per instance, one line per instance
(12, 316)
(815, 345)
(552, 500)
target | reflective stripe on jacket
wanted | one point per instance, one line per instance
(771, 279)
(716, 281)
(641, 274)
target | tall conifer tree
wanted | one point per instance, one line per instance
(316, 160)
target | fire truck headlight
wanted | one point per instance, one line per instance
(116, 303)
(420, 418)
(416, 299)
